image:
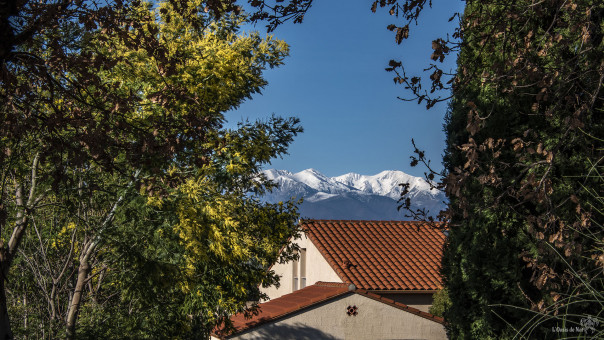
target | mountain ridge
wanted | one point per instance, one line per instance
(352, 195)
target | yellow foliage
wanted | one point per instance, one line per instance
(155, 201)
(215, 64)
(63, 236)
(206, 216)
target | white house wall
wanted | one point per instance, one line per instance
(317, 269)
(375, 320)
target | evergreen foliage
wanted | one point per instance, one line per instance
(526, 105)
(440, 302)
(523, 162)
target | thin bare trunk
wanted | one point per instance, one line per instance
(6, 258)
(76, 299)
(25, 318)
(88, 252)
(8, 252)
(51, 301)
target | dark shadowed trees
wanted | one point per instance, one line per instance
(523, 163)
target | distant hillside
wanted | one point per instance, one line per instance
(352, 196)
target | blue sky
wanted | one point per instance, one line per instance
(334, 81)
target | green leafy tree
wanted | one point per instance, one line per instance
(108, 103)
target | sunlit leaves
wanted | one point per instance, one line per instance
(143, 90)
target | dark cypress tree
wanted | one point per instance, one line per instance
(524, 149)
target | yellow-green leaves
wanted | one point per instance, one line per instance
(168, 231)
(213, 66)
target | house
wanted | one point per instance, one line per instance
(353, 280)
(396, 259)
(329, 310)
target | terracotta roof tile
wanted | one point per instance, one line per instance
(381, 255)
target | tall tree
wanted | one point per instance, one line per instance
(527, 102)
(523, 144)
(132, 95)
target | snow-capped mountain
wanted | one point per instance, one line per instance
(352, 196)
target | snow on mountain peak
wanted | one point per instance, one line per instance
(385, 183)
(273, 174)
(352, 194)
(316, 180)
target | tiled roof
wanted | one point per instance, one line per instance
(289, 303)
(307, 297)
(381, 255)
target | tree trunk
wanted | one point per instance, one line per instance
(84, 270)
(26, 314)
(8, 252)
(76, 299)
(5, 331)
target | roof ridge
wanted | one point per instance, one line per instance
(390, 221)
(330, 284)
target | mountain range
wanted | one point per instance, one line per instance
(352, 196)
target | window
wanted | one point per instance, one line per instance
(295, 275)
(302, 267)
(299, 271)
